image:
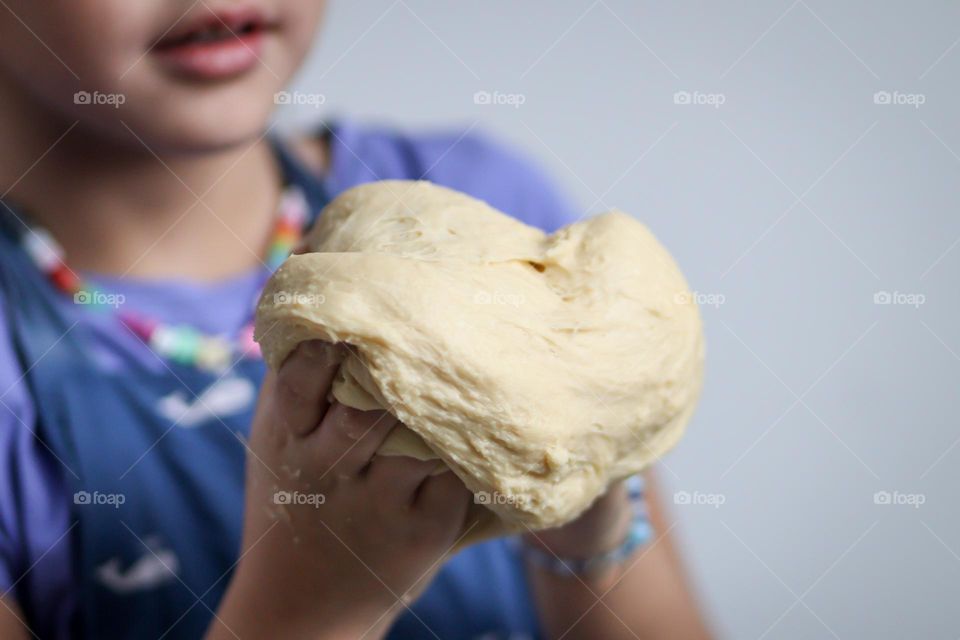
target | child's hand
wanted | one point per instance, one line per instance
(600, 528)
(333, 536)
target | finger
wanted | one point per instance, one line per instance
(397, 478)
(265, 430)
(348, 438)
(303, 383)
(444, 495)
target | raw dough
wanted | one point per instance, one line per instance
(538, 368)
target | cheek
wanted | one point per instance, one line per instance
(57, 47)
(104, 51)
(301, 21)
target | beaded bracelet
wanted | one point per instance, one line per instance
(639, 534)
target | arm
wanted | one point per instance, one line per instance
(12, 626)
(647, 596)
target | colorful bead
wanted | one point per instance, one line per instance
(94, 298)
(43, 249)
(142, 327)
(214, 354)
(288, 229)
(187, 345)
(294, 206)
(181, 344)
(65, 279)
(246, 344)
(281, 245)
(276, 256)
(163, 340)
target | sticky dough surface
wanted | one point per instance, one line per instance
(538, 368)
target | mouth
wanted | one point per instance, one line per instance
(216, 45)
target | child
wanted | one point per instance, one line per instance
(140, 219)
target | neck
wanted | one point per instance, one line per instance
(118, 208)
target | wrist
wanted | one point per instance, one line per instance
(261, 604)
(589, 565)
(603, 538)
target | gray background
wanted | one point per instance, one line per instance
(790, 205)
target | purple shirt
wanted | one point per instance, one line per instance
(35, 525)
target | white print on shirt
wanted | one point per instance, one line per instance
(155, 567)
(223, 398)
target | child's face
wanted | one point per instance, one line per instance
(144, 63)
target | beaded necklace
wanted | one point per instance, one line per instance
(182, 344)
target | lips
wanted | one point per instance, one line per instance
(216, 45)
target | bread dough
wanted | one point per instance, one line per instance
(538, 368)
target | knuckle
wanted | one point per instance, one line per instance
(347, 425)
(326, 461)
(292, 389)
(387, 477)
(447, 487)
(354, 425)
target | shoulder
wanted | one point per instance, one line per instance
(463, 158)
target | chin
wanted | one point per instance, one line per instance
(189, 127)
(203, 135)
